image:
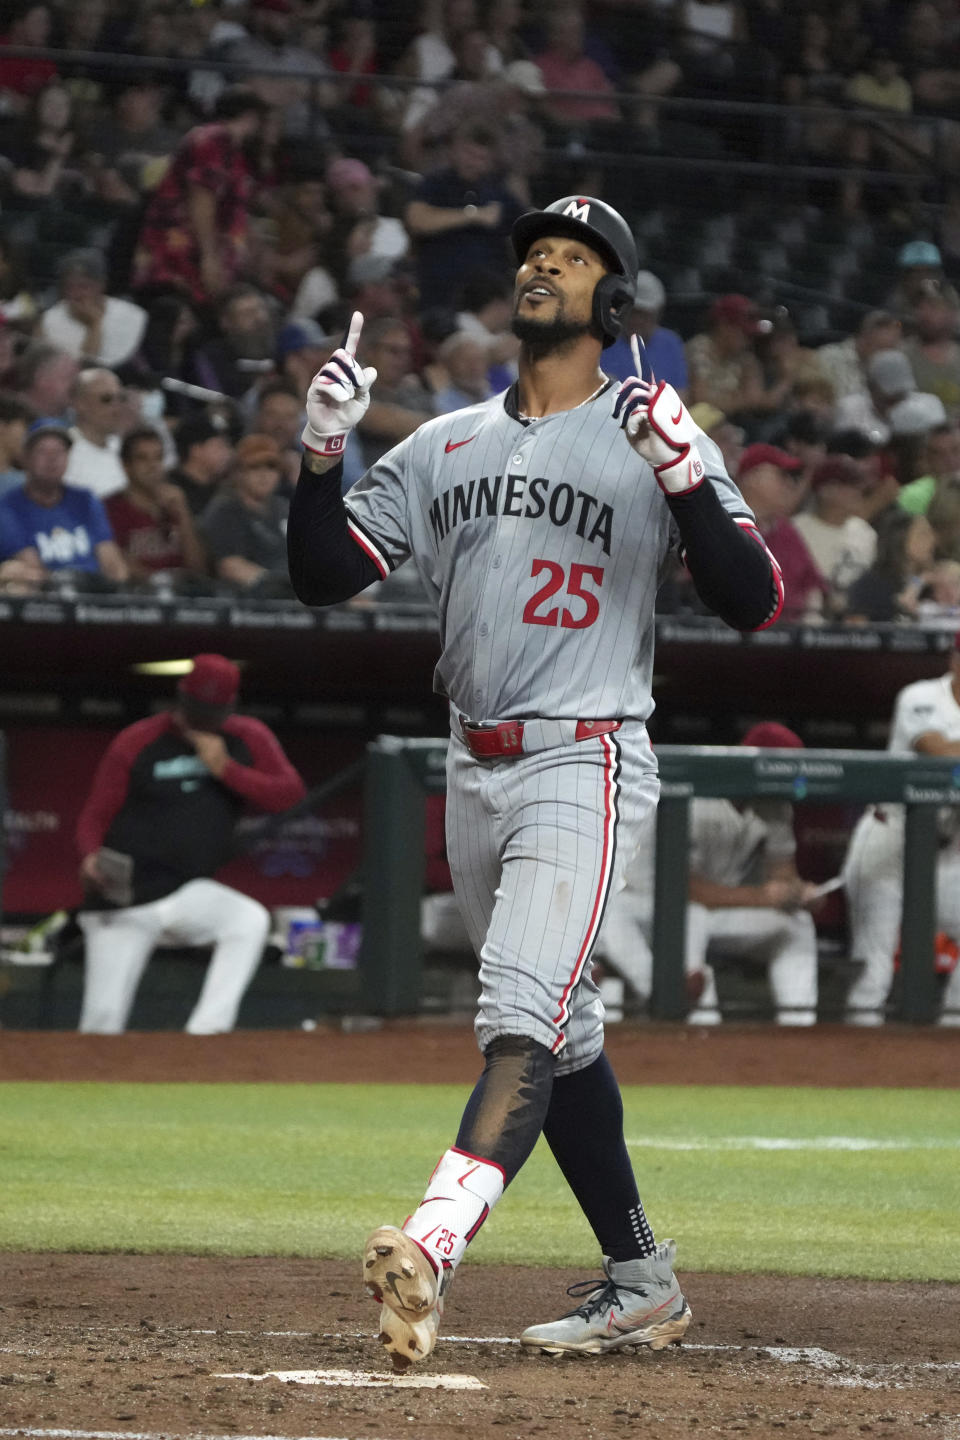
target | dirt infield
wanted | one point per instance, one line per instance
(125, 1345)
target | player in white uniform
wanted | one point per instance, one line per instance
(926, 719)
(539, 522)
(745, 898)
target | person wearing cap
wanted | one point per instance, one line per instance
(539, 522)
(723, 367)
(51, 526)
(86, 322)
(768, 478)
(203, 458)
(843, 362)
(151, 519)
(747, 900)
(890, 380)
(158, 823)
(926, 721)
(843, 544)
(918, 263)
(244, 527)
(663, 348)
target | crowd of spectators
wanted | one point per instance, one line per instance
(181, 246)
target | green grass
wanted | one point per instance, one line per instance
(762, 1179)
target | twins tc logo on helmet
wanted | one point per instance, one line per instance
(579, 209)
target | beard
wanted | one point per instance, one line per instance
(542, 337)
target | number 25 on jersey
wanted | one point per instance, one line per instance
(585, 605)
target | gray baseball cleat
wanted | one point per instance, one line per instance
(398, 1274)
(639, 1303)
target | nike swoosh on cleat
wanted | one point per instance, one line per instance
(455, 444)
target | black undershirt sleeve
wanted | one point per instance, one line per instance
(730, 566)
(326, 564)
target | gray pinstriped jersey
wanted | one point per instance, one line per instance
(542, 545)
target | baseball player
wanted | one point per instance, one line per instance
(157, 824)
(745, 898)
(926, 719)
(539, 522)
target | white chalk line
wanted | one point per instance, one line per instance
(361, 1379)
(147, 1435)
(810, 1142)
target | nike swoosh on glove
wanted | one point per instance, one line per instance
(661, 429)
(338, 397)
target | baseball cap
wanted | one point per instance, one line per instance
(837, 470)
(210, 688)
(707, 416)
(346, 170)
(370, 269)
(919, 252)
(197, 430)
(916, 414)
(736, 310)
(47, 425)
(769, 734)
(890, 372)
(525, 75)
(762, 454)
(302, 335)
(257, 450)
(649, 292)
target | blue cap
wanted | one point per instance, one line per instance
(919, 252)
(301, 335)
(48, 425)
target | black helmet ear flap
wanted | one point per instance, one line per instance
(612, 303)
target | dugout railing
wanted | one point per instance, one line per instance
(402, 772)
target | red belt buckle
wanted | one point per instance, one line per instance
(486, 741)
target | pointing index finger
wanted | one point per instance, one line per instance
(353, 333)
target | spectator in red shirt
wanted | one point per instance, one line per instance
(28, 24)
(196, 233)
(766, 480)
(151, 519)
(565, 66)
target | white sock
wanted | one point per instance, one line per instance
(462, 1191)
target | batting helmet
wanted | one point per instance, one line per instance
(598, 225)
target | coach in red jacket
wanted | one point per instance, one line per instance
(158, 823)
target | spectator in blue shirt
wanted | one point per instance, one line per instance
(664, 351)
(50, 526)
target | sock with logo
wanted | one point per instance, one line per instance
(584, 1129)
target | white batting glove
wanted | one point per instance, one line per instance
(338, 397)
(661, 429)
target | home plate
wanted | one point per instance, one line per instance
(364, 1379)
